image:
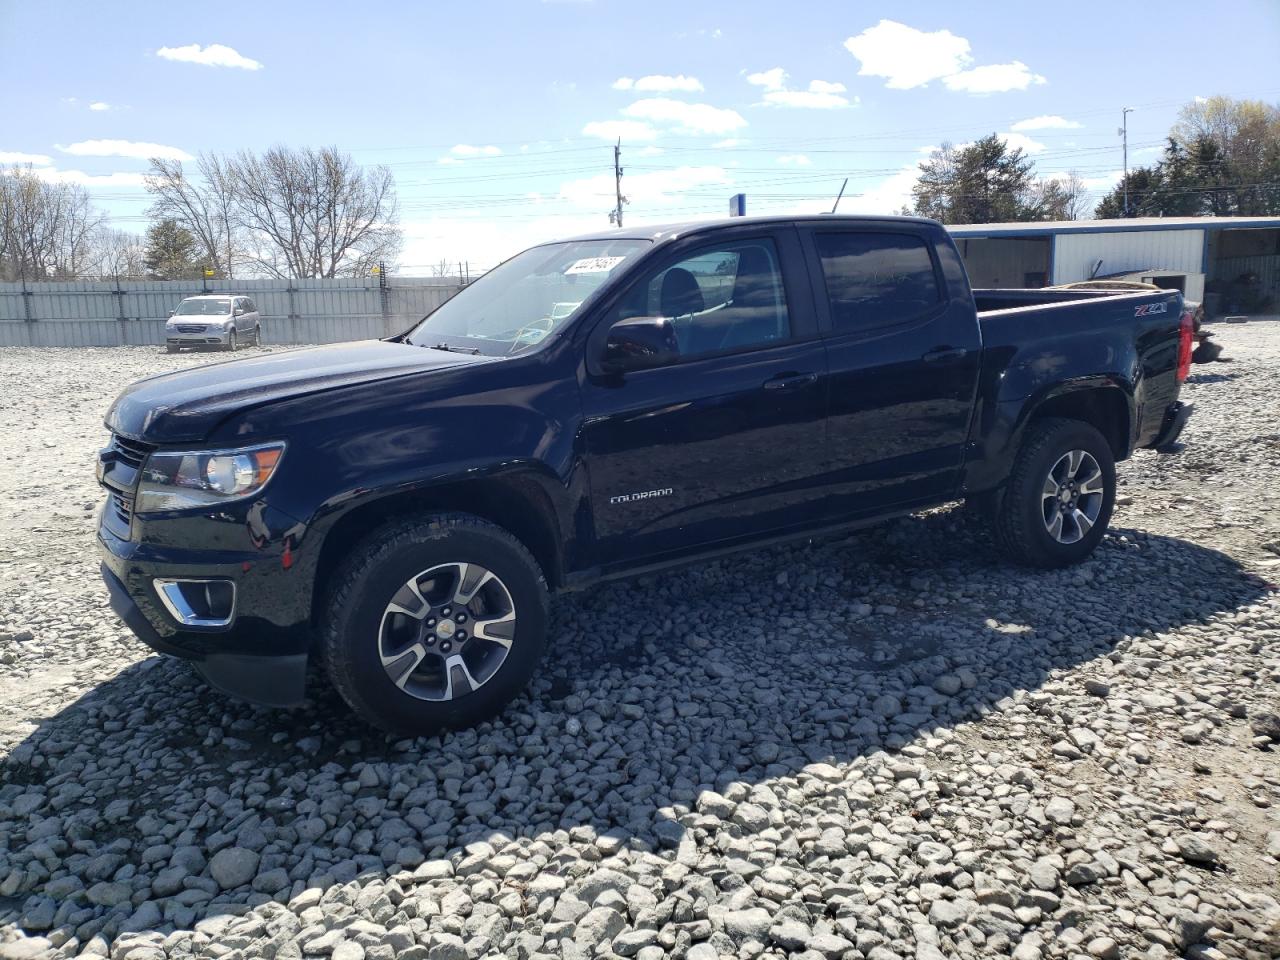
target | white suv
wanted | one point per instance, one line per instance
(213, 320)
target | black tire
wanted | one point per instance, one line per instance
(257, 334)
(1018, 511)
(231, 342)
(170, 348)
(379, 567)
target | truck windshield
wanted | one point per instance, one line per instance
(203, 308)
(520, 303)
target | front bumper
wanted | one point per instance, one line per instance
(261, 653)
(210, 336)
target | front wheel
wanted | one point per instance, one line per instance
(1056, 505)
(231, 342)
(435, 622)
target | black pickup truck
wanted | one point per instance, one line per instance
(401, 509)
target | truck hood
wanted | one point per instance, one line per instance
(187, 405)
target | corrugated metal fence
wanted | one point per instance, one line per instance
(104, 314)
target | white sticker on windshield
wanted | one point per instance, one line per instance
(595, 265)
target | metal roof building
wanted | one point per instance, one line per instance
(1232, 264)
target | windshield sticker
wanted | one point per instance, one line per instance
(594, 265)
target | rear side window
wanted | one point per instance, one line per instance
(876, 279)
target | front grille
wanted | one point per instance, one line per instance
(132, 452)
(190, 327)
(122, 506)
(123, 460)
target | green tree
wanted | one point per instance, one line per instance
(172, 252)
(986, 181)
(1222, 159)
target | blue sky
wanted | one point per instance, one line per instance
(498, 118)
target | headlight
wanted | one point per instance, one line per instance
(175, 481)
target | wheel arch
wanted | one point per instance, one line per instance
(518, 503)
(1101, 404)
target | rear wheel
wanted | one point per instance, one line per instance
(1056, 505)
(437, 622)
(170, 348)
(257, 334)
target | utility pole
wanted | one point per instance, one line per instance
(616, 216)
(1124, 132)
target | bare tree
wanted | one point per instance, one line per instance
(46, 228)
(116, 253)
(1060, 197)
(442, 269)
(316, 212)
(206, 207)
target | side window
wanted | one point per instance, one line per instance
(248, 306)
(727, 297)
(876, 279)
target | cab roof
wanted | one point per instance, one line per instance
(669, 231)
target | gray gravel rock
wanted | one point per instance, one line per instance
(233, 867)
(983, 760)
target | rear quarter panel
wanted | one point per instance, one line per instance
(1126, 343)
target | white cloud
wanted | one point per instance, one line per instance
(467, 150)
(774, 79)
(1046, 122)
(659, 83)
(1016, 141)
(650, 151)
(125, 148)
(214, 55)
(795, 160)
(80, 178)
(994, 78)
(615, 129)
(9, 157)
(821, 95)
(907, 57)
(826, 86)
(99, 106)
(887, 197)
(687, 118)
(659, 188)
(1102, 184)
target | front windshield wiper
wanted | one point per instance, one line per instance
(474, 351)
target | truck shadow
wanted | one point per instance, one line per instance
(743, 671)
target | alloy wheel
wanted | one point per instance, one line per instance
(1072, 496)
(447, 631)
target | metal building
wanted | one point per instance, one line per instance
(1231, 264)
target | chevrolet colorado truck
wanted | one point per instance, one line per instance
(400, 510)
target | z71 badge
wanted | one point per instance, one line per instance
(641, 495)
(1147, 309)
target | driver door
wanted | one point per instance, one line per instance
(727, 442)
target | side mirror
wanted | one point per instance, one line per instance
(639, 343)
(172, 312)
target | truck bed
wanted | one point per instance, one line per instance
(1030, 336)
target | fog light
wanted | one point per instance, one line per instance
(198, 603)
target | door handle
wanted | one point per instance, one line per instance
(790, 381)
(943, 354)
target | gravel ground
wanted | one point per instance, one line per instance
(890, 745)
